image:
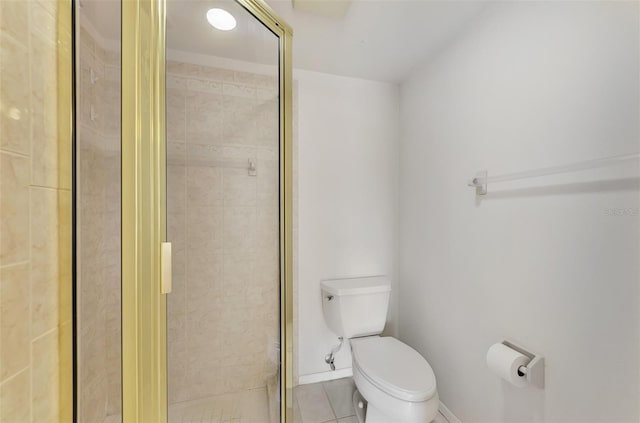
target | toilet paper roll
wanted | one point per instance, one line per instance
(505, 361)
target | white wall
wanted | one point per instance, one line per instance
(550, 263)
(348, 161)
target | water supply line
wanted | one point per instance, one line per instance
(329, 358)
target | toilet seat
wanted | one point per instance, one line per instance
(394, 368)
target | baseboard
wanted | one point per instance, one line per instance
(324, 376)
(448, 414)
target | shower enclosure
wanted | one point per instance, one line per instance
(187, 144)
(222, 214)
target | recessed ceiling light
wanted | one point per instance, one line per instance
(221, 19)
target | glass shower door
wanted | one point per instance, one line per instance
(98, 213)
(224, 214)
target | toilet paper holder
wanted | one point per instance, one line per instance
(533, 371)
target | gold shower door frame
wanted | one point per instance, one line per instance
(144, 319)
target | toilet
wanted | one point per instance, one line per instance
(397, 383)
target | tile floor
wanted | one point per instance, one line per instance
(324, 402)
(242, 407)
(329, 402)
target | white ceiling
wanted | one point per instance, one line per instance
(375, 39)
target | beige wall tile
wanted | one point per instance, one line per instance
(204, 286)
(14, 208)
(44, 21)
(176, 188)
(269, 94)
(114, 386)
(44, 143)
(230, 224)
(92, 408)
(44, 378)
(241, 377)
(110, 111)
(239, 229)
(176, 224)
(45, 281)
(176, 329)
(239, 152)
(202, 330)
(100, 52)
(176, 82)
(267, 267)
(92, 355)
(239, 90)
(30, 234)
(14, 78)
(239, 187)
(203, 85)
(239, 120)
(14, 19)
(15, 398)
(204, 118)
(45, 275)
(66, 368)
(203, 154)
(85, 87)
(217, 74)
(243, 339)
(247, 78)
(204, 186)
(267, 228)
(267, 186)
(14, 319)
(176, 153)
(176, 115)
(204, 233)
(187, 69)
(48, 5)
(204, 374)
(237, 275)
(111, 71)
(178, 361)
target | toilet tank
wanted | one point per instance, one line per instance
(356, 306)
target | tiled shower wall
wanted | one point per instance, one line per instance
(35, 218)
(223, 313)
(98, 226)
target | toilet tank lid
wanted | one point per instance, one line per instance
(356, 286)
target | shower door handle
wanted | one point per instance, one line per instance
(165, 265)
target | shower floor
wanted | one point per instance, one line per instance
(239, 407)
(242, 407)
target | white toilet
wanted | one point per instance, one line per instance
(395, 380)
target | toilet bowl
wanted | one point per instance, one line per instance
(395, 380)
